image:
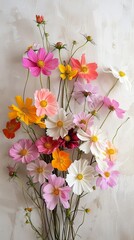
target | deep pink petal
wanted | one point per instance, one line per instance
(35, 71)
(52, 64)
(75, 63)
(41, 54)
(28, 63)
(83, 59)
(32, 56)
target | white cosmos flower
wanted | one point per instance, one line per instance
(121, 75)
(80, 176)
(94, 140)
(59, 125)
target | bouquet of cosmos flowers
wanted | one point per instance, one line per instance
(66, 153)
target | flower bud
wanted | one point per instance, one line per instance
(39, 19)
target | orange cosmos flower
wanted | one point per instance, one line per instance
(85, 70)
(25, 111)
(61, 160)
(11, 127)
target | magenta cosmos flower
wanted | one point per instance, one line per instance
(24, 151)
(39, 170)
(45, 102)
(55, 191)
(40, 62)
(46, 144)
(85, 70)
(114, 106)
(108, 176)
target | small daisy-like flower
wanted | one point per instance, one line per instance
(67, 72)
(70, 140)
(108, 176)
(24, 151)
(83, 120)
(61, 160)
(40, 62)
(11, 127)
(121, 75)
(46, 144)
(110, 151)
(54, 192)
(113, 105)
(45, 102)
(93, 140)
(84, 90)
(59, 125)
(39, 171)
(80, 176)
(85, 70)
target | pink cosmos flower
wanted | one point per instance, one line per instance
(54, 191)
(24, 151)
(84, 90)
(40, 62)
(114, 106)
(45, 102)
(85, 70)
(108, 176)
(39, 170)
(70, 140)
(83, 120)
(46, 144)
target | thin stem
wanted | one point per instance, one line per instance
(118, 129)
(105, 119)
(25, 85)
(60, 56)
(77, 50)
(42, 36)
(41, 82)
(81, 223)
(62, 98)
(48, 81)
(66, 82)
(59, 89)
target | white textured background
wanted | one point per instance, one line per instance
(111, 23)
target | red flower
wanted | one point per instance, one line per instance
(39, 19)
(11, 127)
(70, 140)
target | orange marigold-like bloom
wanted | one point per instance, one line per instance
(25, 111)
(11, 127)
(61, 160)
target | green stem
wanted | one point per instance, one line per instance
(118, 129)
(25, 85)
(41, 82)
(48, 81)
(62, 98)
(81, 223)
(59, 89)
(77, 50)
(105, 119)
(42, 36)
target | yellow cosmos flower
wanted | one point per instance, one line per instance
(67, 72)
(25, 111)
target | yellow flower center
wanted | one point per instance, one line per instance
(67, 138)
(83, 121)
(56, 191)
(79, 176)
(122, 74)
(107, 174)
(110, 151)
(39, 170)
(94, 138)
(43, 103)
(84, 69)
(59, 124)
(25, 110)
(23, 152)
(48, 145)
(40, 64)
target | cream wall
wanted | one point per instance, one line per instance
(111, 23)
